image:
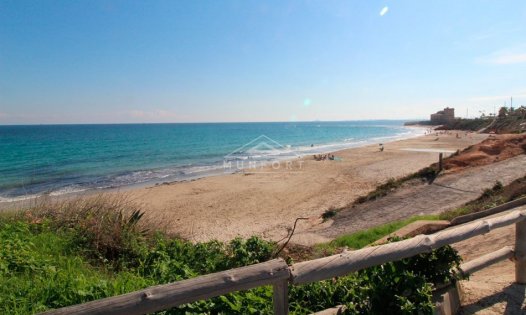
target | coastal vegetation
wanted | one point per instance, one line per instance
(492, 197)
(363, 238)
(484, 153)
(426, 174)
(59, 254)
(508, 120)
(472, 124)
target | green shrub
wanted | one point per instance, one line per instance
(39, 272)
(43, 266)
(329, 213)
(400, 287)
(380, 191)
(15, 249)
(490, 198)
(107, 228)
(427, 173)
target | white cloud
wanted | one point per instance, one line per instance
(384, 11)
(504, 57)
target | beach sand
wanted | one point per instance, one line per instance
(267, 201)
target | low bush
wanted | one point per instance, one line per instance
(427, 174)
(400, 287)
(39, 272)
(380, 191)
(107, 228)
(329, 213)
(490, 198)
(43, 266)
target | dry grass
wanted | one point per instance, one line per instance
(111, 226)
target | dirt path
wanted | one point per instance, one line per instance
(447, 192)
(491, 290)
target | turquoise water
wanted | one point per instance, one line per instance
(59, 159)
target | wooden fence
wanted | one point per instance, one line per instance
(280, 276)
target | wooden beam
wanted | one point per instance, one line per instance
(520, 252)
(166, 296)
(351, 261)
(484, 213)
(280, 297)
(484, 261)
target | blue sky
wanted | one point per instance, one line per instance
(202, 61)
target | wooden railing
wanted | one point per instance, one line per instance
(280, 276)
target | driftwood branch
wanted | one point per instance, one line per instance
(289, 236)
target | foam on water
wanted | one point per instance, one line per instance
(58, 160)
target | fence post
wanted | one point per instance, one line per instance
(281, 297)
(440, 155)
(520, 252)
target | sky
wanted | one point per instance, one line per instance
(230, 61)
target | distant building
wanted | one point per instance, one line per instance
(445, 116)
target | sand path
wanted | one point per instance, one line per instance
(446, 192)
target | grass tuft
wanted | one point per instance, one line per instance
(490, 198)
(363, 238)
(107, 228)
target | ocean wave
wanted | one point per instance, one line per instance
(191, 171)
(68, 190)
(18, 198)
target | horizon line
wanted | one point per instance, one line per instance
(206, 122)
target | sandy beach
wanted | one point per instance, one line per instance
(267, 201)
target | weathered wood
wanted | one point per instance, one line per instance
(440, 163)
(166, 296)
(280, 297)
(447, 300)
(477, 215)
(350, 261)
(484, 261)
(520, 252)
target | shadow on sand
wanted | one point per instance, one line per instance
(512, 295)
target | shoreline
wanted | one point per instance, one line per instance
(360, 144)
(267, 203)
(215, 170)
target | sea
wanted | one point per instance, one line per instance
(64, 159)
